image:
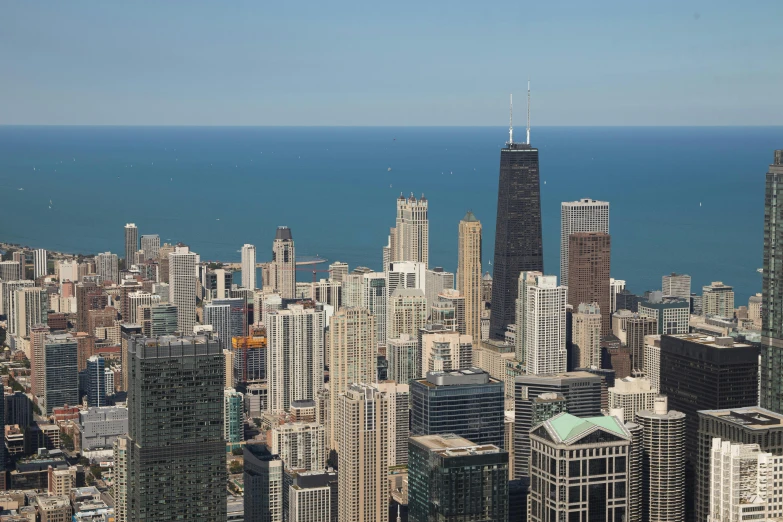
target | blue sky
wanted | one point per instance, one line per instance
(396, 62)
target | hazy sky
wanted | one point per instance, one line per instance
(394, 62)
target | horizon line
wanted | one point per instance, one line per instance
(148, 125)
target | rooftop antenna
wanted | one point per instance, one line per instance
(528, 112)
(511, 120)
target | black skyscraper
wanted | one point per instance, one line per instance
(518, 245)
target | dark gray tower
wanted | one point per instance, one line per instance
(518, 244)
(771, 396)
(176, 451)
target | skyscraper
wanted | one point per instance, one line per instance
(541, 323)
(374, 299)
(706, 373)
(663, 455)
(175, 424)
(469, 272)
(637, 327)
(518, 243)
(249, 266)
(11, 271)
(40, 263)
(403, 355)
(615, 287)
(182, 287)
(452, 479)
(751, 425)
(30, 307)
(718, 299)
(771, 395)
(435, 281)
(227, 318)
(585, 215)
(363, 453)
(295, 365)
(676, 285)
(150, 244)
(263, 480)
(233, 416)
(582, 392)
(338, 272)
(62, 376)
(586, 336)
(353, 356)
(409, 239)
(446, 351)
(96, 381)
(282, 269)
(579, 469)
(671, 314)
(131, 244)
(466, 402)
(407, 312)
(743, 482)
(589, 256)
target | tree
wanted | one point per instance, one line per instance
(67, 441)
(235, 467)
(236, 451)
(96, 471)
(2, 336)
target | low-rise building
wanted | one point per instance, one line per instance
(100, 427)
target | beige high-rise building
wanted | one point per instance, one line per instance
(586, 337)
(182, 287)
(38, 335)
(469, 272)
(119, 489)
(353, 356)
(282, 269)
(31, 306)
(718, 299)
(301, 445)
(632, 394)
(363, 455)
(409, 239)
(407, 312)
(754, 310)
(444, 351)
(163, 261)
(541, 323)
(399, 420)
(295, 351)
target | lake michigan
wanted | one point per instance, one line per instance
(684, 199)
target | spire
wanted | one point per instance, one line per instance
(528, 112)
(399, 519)
(511, 119)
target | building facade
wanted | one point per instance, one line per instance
(589, 263)
(175, 421)
(131, 244)
(584, 215)
(663, 457)
(295, 338)
(409, 239)
(676, 285)
(452, 479)
(182, 287)
(541, 323)
(579, 469)
(467, 402)
(249, 266)
(469, 272)
(518, 243)
(718, 299)
(282, 269)
(586, 336)
(771, 391)
(353, 356)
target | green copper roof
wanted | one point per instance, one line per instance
(470, 216)
(568, 426)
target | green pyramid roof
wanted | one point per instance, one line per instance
(568, 426)
(470, 216)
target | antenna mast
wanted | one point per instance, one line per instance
(528, 112)
(511, 120)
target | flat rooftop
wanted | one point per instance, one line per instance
(751, 417)
(450, 445)
(710, 340)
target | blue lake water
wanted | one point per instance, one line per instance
(216, 188)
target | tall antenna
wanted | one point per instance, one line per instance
(528, 112)
(511, 120)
